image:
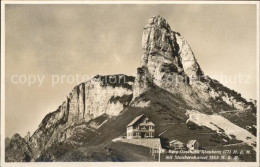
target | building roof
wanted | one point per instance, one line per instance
(191, 142)
(175, 142)
(136, 119)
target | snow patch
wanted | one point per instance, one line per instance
(220, 124)
(141, 103)
(130, 83)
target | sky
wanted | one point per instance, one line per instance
(60, 42)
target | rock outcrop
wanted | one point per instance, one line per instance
(18, 150)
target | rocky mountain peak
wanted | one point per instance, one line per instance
(158, 39)
(16, 137)
(166, 59)
(164, 51)
(159, 21)
(168, 62)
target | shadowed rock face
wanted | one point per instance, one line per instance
(18, 150)
(167, 63)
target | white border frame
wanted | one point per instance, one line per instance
(119, 164)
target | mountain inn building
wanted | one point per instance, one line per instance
(140, 127)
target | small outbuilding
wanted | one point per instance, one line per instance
(193, 145)
(175, 144)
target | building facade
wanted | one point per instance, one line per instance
(140, 127)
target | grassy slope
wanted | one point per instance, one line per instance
(166, 110)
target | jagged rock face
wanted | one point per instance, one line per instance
(90, 100)
(18, 150)
(157, 39)
(101, 95)
(188, 60)
(142, 81)
(159, 49)
(168, 62)
(162, 46)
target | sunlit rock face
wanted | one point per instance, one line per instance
(101, 95)
(162, 46)
(168, 61)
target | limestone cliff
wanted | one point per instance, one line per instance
(168, 62)
(101, 95)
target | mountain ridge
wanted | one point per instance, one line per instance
(168, 69)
